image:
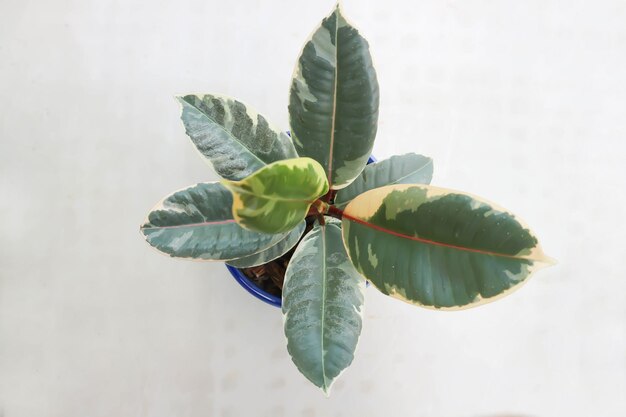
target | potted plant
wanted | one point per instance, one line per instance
(311, 200)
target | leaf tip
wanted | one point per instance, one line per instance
(145, 225)
(180, 99)
(546, 261)
(338, 10)
(326, 389)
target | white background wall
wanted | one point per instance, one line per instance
(523, 102)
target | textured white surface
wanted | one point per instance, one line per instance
(520, 102)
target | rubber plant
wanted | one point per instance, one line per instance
(383, 223)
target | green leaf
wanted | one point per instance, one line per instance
(279, 249)
(277, 197)
(409, 168)
(233, 138)
(322, 306)
(197, 223)
(333, 102)
(438, 248)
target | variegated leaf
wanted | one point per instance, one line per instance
(322, 306)
(438, 248)
(276, 251)
(277, 197)
(409, 168)
(233, 138)
(333, 104)
(197, 223)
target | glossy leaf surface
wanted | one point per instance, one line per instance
(322, 306)
(438, 248)
(409, 168)
(276, 251)
(233, 138)
(333, 103)
(197, 223)
(277, 197)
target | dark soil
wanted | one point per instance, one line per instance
(270, 276)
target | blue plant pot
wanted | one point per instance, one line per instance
(252, 288)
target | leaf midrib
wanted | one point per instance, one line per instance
(397, 181)
(322, 318)
(433, 242)
(278, 198)
(334, 113)
(224, 129)
(178, 226)
(430, 162)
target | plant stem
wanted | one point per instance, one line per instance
(335, 212)
(320, 208)
(329, 196)
(312, 211)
